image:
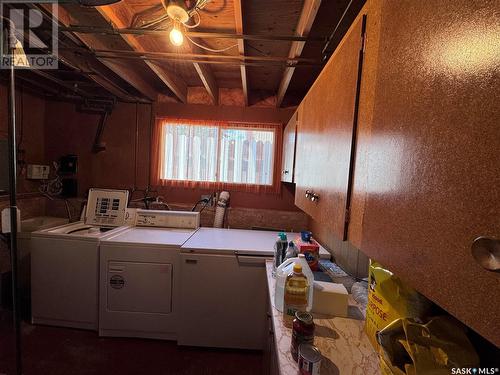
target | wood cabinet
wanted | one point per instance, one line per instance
(288, 159)
(429, 180)
(325, 127)
(426, 163)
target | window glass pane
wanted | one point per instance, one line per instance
(190, 152)
(246, 156)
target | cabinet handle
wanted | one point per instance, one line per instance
(315, 197)
(285, 172)
(312, 196)
(191, 261)
(486, 252)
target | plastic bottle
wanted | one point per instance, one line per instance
(282, 272)
(280, 250)
(283, 245)
(296, 294)
(291, 252)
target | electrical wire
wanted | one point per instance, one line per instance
(205, 201)
(200, 4)
(208, 48)
(197, 23)
(155, 22)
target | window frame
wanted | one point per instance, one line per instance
(158, 150)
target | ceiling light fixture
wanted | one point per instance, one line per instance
(178, 11)
(176, 37)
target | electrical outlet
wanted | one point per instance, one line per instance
(38, 172)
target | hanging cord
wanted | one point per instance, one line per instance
(51, 189)
(208, 48)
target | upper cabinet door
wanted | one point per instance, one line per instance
(433, 182)
(288, 161)
(324, 136)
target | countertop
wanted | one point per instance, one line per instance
(248, 242)
(342, 341)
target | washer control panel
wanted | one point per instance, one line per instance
(106, 207)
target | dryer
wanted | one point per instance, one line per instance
(65, 263)
(139, 273)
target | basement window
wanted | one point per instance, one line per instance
(227, 155)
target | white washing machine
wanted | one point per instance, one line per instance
(139, 273)
(65, 263)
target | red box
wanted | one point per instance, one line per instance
(310, 250)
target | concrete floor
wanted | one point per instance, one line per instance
(61, 351)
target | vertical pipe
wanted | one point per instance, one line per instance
(12, 193)
(151, 124)
(136, 143)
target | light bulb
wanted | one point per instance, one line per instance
(176, 36)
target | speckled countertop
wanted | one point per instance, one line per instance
(342, 341)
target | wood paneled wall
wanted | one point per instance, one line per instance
(125, 163)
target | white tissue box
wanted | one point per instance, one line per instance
(330, 299)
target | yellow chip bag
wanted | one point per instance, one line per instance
(390, 299)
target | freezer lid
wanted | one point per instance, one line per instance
(241, 241)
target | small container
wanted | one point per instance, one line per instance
(305, 235)
(309, 359)
(302, 332)
(279, 250)
(311, 251)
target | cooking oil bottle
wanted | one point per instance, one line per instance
(296, 294)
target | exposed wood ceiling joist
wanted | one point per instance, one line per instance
(205, 73)
(306, 20)
(117, 15)
(238, 14)
(67, 86)
(209, 81)
(69, 14)
(88, 67)
(125, 48)
(98, 75)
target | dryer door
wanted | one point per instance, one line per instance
(139, 287)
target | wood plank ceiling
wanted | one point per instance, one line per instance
(259, 62)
